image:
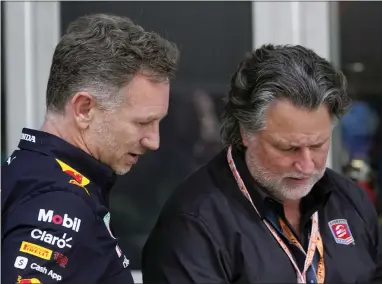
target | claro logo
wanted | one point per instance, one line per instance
(48, 216)
(50, 239)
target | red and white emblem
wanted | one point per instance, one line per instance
(341, 231)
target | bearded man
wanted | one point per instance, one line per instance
(266, 209)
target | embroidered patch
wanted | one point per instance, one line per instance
(341, 231)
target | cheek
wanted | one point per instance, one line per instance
(320, 158)
(270, 158)
(125, 133)
(277, 162)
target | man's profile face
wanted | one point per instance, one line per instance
(289, 156)
(122, 135)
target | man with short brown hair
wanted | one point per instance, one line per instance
(108, 90)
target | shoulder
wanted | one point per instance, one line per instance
(346, 187)
(207, 199)
(350, 192)
(31, 176)
(198, 192)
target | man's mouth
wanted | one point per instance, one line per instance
(299, 179)
(134, 158)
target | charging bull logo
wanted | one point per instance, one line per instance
(28, 281)
(77, 176)
(79, 179)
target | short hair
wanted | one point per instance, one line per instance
(276, 72)
(101, 53)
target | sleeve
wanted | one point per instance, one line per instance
(183, 251)
(378, 272)
(367, 210)
(376, 246)
(48, 240)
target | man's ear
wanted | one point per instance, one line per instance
(83, 106)
(244, 137)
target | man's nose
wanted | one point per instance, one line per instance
(304, 163)
(152, 139)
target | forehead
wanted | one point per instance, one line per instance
(142, 95)
(288, 122)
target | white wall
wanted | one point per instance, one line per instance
(31, 32)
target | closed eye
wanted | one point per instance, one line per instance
(145, 123)
(317, 146)
(289, 149)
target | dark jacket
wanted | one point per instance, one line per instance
(55, 216)
(208, 232)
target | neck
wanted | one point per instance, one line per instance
(292, 205)
(292, 213)
(57, 125)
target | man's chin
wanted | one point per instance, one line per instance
(122, 172)
(296, 192)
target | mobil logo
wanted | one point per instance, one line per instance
(50, 217)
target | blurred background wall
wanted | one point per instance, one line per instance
(213, 38)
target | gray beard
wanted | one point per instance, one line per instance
(275, 185)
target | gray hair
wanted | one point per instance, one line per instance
(273, 72)
(100, 54)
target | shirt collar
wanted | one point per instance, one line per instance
(51, 145)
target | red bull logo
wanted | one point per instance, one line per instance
(73, 181)
(27, 281)
(79, 179)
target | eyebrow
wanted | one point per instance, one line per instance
(287, 144)
(154, 117)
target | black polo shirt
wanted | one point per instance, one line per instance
(208, 232)
(55, 216)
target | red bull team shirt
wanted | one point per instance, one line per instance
(55, 216)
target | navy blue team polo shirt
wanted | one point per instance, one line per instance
(55, 216)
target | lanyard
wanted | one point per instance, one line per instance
(315, 240)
